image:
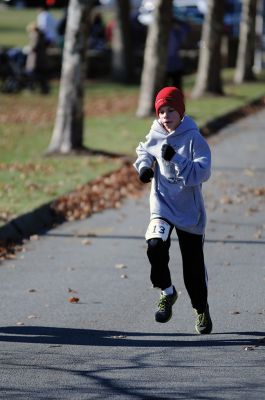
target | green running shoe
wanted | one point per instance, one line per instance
(164, 312)
(203, 324)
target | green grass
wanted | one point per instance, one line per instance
(118, 134)
(25, 186)
(13, 23)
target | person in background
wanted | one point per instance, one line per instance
(97, 33)
(36, 62)
(174, 67)
(48, 25)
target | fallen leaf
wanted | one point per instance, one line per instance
(10, 256)
(120, 266)
(258, 191)
(73, 299)
(226, 200)
(33, 316)
(71, 290)
(252, 210)
(86, 242)
(34, 237)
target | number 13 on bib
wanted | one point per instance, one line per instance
(158, 228)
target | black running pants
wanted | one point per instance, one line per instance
(194, 271)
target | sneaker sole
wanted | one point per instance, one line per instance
(166, 320)
(205, 332)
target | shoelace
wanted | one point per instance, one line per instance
(202, 318)
(163, 302)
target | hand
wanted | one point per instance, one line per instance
(167, 152)
(146, 174)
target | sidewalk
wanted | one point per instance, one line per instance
(108, 345)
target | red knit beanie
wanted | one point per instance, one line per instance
(170, 96)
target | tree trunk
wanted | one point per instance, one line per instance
(68, 130)
(208, 78)
(122, 65)
(155, 57)
(246, 49)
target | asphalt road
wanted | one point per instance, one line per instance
(108, 346)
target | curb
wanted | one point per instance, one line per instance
(213, 126)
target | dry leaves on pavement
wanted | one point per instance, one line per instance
(99, 194)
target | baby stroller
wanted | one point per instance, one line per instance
(12, 70)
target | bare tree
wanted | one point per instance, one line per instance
(246, 48)
(155, 56)
(68, 130)
(208, 78)
(122, 61)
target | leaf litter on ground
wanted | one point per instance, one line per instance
(97, 195)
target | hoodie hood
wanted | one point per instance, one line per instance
(158, 132)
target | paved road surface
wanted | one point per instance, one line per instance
(108, 345)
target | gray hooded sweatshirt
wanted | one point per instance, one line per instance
(176, 190)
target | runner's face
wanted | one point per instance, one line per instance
(169, 117)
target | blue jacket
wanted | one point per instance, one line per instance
(176, 190)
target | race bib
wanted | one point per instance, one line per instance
(158, 228)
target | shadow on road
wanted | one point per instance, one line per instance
(90, 337)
